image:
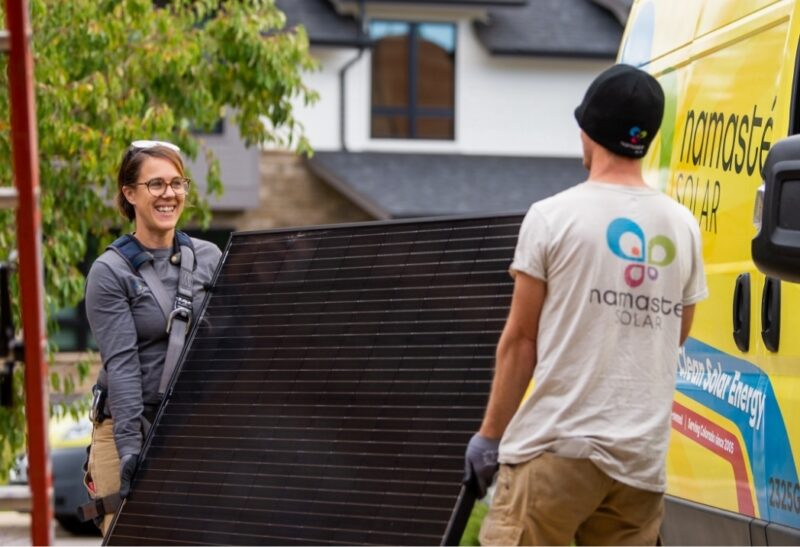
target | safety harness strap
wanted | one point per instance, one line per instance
(150, 277)
(99, 507)
(179, 319)
(129, 248)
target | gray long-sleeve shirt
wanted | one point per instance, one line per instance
(130, 330)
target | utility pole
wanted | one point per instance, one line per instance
(24, 146)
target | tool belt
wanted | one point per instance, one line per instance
(97, 508)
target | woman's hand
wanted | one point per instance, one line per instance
(127, 469)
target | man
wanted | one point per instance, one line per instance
(607, 274)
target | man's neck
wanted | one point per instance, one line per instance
(613, 169)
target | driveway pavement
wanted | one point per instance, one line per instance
(15, 529)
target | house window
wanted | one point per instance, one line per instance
(413, 80)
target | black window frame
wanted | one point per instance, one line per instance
(412, 111)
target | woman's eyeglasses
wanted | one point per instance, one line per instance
(158, 186)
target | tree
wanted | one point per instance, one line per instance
(112, 71)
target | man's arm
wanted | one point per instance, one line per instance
(516, 359)
(516, 355)
(686, 322)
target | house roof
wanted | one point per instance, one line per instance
(393, 185)
(324, 25)
(552, 28)
(458, 3)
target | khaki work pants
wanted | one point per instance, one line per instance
(551, 500)
(104, 465)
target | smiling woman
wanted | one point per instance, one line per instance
(133, 292)
(144, 195)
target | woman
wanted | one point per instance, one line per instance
(126, 318)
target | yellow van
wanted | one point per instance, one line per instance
(730, 73)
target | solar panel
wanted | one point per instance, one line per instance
(330, 389)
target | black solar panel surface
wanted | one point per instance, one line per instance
(331, 388)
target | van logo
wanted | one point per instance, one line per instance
(637, 135)
(627, 241)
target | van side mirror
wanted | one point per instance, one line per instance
(776, 247)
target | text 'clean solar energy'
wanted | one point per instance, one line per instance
(329, 392)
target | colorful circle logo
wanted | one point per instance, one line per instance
(637, 135)
(627, 241)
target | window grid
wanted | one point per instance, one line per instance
(412, 111)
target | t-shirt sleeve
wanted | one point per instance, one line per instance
(530, 256)
(695, 289)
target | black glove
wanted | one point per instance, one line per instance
(127, 468)
(480, 463)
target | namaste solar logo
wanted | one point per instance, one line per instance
(626, 239)
(637, 135)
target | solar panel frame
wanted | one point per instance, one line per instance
(412, 286)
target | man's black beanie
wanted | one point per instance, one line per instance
(622, 110)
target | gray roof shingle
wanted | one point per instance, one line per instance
(393, 185)
(457, 3)
(324, 25)
(552, 28)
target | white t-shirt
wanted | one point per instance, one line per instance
(620, 263)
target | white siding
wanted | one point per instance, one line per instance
(321, 120)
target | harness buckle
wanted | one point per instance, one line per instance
(181, 313)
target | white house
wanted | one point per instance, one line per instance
(427, 107)
(435, 107)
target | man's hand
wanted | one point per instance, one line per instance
(480, 462)
(127, 468)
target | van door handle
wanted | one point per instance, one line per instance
(771, 313)
(741, 312)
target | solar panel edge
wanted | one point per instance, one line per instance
(383, 223)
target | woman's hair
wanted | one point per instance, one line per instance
(131, 166)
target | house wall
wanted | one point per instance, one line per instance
(290, 195)
(504, 105)
(321, 120)
(238, 167)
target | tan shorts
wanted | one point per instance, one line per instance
(104, 465)
(551, 500)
